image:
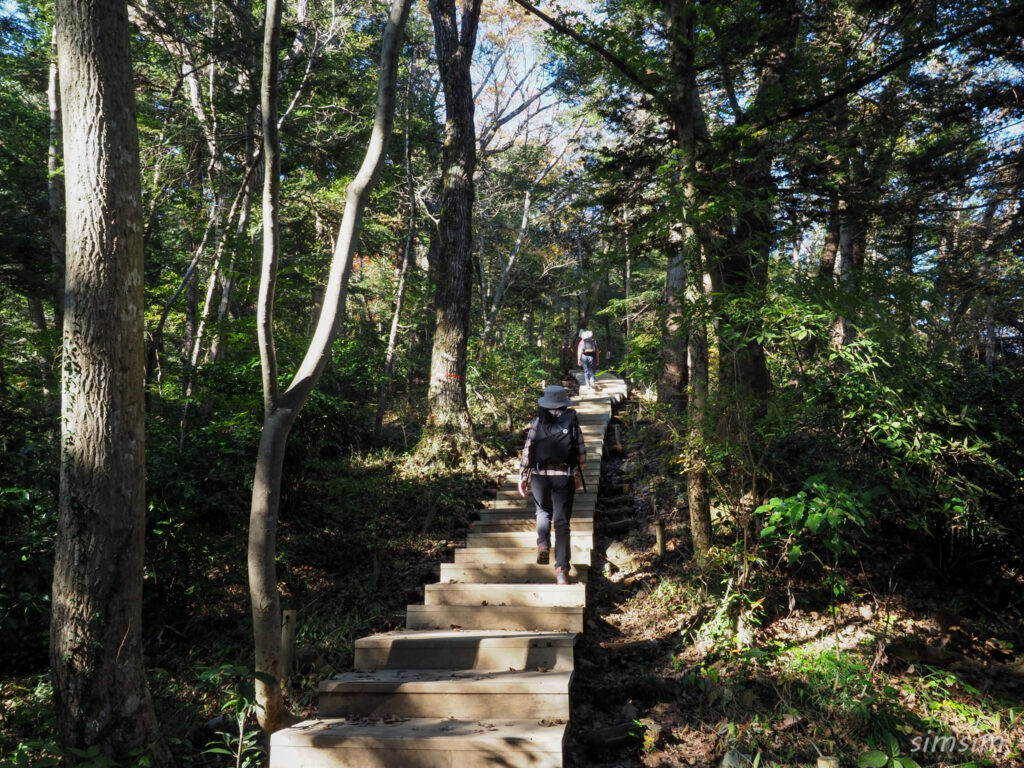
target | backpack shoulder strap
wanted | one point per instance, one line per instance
(574, 427)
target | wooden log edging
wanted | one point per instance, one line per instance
(481, 675)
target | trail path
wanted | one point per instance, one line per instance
(480, 677)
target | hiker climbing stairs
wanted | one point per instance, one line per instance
(481, 674)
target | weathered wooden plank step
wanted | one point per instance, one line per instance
(524, 512)
(511, 493)
(508, 573)
(537, 618)
(579, 525)
(542, 594)
(419, 743)
(458, 694)
(513, 555)
(577, 539)
(478, 649)
(582, 503)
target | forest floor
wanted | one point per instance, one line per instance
(877, 662)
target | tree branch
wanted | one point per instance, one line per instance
(870, 77)
(641, 82)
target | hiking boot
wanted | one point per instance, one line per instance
(561, 575)
(543, 554)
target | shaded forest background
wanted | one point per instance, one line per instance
(795, 228)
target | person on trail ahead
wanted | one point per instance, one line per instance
(552, 465)
(587, 357)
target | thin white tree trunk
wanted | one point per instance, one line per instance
(281, 409)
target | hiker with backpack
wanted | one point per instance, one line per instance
(587, 356)
(552, 465)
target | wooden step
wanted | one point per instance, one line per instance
(419, 743)
(581, 503)
(581, 524)
(526, 513)
(512, 555)
(510, 492)
(507, 594)
(507, 573)
(485, 650)
(458, 694)
(578, 539)
(523, 617)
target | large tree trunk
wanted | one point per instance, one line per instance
(449, 433)
(282, 409)
(100, 692)
(688, 273)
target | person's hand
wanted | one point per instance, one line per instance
(522, 486)
(579, 479)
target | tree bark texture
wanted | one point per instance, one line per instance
(449, 433)
(282, 409)
(686, 272)
(55, 187)
(100, 690)
(672, 378)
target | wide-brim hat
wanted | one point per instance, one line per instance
(554, 396)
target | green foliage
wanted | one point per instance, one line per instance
(502, 379)
(24, 204)
(236, 684)
(643, 360)
(885, 411)
(29, 469)
(28, 735)
(818, 516)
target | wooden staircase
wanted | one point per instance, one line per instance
(481, 676)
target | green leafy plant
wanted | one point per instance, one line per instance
(821, 514)
(888, 758)
(241, 742)
(30, 754)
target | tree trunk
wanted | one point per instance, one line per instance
(697, 410)
(448, 435)
(830, 249)
(55, 187)
(100, 692)
(282, 409)
(674, 372)
(686, 119)
(850, 260)
(218, 344)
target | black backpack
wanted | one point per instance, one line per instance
(555, 439)
(589, 347)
